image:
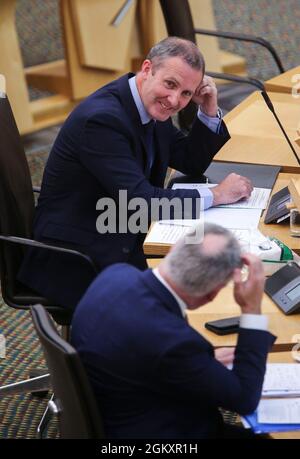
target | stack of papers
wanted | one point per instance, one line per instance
(279, 411)
(279, 408)
(251, 421)
(282, 380)
(170, 231)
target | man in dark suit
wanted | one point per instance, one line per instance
(153, 375)
(121, 140)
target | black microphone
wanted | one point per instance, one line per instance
(271, 107)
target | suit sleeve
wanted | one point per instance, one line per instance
(190, 371)
(106, 150)
(192, 154)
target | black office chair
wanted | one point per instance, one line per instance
(179, 22)
(16, 219)
(74, 403)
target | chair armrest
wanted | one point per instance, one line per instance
(247, 38)
(54, 248)
(36, 189)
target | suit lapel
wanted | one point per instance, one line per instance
(133, 114)
(161, 157)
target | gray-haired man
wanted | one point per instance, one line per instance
(154, 376)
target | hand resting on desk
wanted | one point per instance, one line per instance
(233, 188)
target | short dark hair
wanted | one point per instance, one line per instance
(177, 47)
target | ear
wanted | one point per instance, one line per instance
(146, 67)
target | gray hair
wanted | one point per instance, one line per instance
(177, 47)
(198, 271)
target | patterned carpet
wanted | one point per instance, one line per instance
(20, 415)
(275, 20)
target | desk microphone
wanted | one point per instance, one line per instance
(271, 107)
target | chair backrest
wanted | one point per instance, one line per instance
(178, 18)
(179, 22)
(79, 416)
(16, 195)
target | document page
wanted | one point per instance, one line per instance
(258, 199)
(233, 218)
(279, 411)
(282, 379)
(169, 231)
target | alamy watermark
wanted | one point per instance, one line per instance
(134, 215)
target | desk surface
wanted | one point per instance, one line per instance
(256, 136)
(284, 327)
(224, 305)
(283, 82)
(280, 231)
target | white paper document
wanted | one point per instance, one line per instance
(169, 231)
(279, 411)
(282, 379)
(243, 221)
(258, 199)
(233, 218)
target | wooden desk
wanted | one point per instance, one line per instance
(224, 305)
(255, 135)
(280, 231)
(283, 82)
(285, 327)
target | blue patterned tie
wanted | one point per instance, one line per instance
(149, 141)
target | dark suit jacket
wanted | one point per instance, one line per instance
(154, 376)
(99, 151)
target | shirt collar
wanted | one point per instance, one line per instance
(144, 115)
(181, 303)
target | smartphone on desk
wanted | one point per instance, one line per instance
(224, 326)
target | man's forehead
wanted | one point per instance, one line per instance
(177, 66)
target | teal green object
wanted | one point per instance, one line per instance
(286, 253)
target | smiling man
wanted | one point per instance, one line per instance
(122, 139)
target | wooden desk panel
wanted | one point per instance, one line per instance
(223, 306)
(255, 135)
(283, 82)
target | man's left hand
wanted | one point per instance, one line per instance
(206, 96)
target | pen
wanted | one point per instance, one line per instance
(175, 224)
